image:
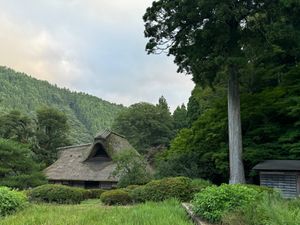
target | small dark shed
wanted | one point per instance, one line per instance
(281, 174)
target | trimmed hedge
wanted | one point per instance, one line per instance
(159, 190)
(61, 194)
(116, 197)
(94, 193)
(214, 202)
(132, 187)
(11, 201)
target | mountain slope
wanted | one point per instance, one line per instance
(87, 114)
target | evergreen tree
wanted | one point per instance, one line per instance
(17, 167)
(180, 118)
(52, 132)
(15, 126)
(163, 105)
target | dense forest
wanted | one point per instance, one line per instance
(86, 114)
(243, 52)
(193, 142)
(270, 118)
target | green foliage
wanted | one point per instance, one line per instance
(116, 197)
(86, 114)
(180, 118)
(270, 131)
(51, 133)
(257, 41)
(94, 193)
(213, 202)
(17, 167)
(163, 213)
(270, 210)
(25, 181)
(132, 187)
(11, 201)
(131, 168)
(167, 188)
(199, 184)
(211, 39)
(16, 126)
(263, 189)
(145, 125)
(60, 194)
(200, 151)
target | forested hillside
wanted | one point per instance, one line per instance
(86, 114)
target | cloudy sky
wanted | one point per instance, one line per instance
(94, 46)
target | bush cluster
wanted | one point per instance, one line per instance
(214, 202)
(159, 190)
(11, 201)
(93, 193)
(181, 188)
(263, 189)
(116, 197)
(271, 209)
(132, 187)
(61, 194)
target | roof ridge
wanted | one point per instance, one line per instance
(106, 132)
(73, 146)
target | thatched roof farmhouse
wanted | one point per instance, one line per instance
(88, 165)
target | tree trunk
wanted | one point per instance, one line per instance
(237, 174)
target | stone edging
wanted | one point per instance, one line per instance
(196, 219)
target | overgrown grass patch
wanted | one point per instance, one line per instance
(169, 212)
(270, 210)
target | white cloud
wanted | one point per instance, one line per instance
(94, 46)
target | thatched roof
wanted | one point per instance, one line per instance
(81, 163)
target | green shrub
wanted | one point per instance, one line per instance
(131, 168)
(268, 210)
(57, 194)
(262, 189)
(93, 193)
(199, 185)
(213, 202)
(159, 190)
(11, 201)
(116, 197)
(132, 187)
(24, 181)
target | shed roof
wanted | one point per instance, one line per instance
(278, 165)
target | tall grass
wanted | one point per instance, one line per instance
(271, 210)
(92, 213)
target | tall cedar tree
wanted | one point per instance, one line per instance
(214, 40)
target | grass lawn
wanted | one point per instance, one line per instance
(93, 213)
